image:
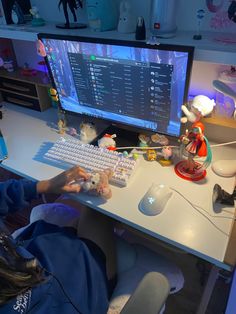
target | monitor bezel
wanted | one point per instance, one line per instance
(119, 42)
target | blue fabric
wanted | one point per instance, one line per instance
(80, 271)
(16, 194)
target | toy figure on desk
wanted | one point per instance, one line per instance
(98, 184)
(61, 126)
(87, 132)
(108, 141)
(194, 143)
(165, 156)
(73, 5)
(200, 106)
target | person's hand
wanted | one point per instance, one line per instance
(65, 182)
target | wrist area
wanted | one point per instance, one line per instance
(43, 187)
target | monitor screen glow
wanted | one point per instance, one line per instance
(129, 83)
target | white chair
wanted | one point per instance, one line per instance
(143, 274)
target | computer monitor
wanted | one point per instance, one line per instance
(131, 84)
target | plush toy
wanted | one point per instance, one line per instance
(88, 132)
(108, 141)
(98, 184)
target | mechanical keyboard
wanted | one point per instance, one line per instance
(93, 158)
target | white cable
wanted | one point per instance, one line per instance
(217, 216)
(223, 144)
(172, 146)
(226, 234)
(145, 147)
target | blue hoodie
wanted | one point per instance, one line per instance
(76, 280)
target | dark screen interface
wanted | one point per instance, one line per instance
(139, 87)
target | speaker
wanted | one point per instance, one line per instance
(15, 11)
(163, 18)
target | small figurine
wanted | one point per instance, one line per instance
(108, 141)
(54, 94)
(127, 21)
(201, 106)
(165, 156)
(135, 156)
(200, 16)
(73, 5)
(193, 142)
(87, 132)
(98, 184)
(73, 132)
(143, 140)
(125, 153)
(151, 154)
(140, 33)
(159, 139)
(61, 126)
(37, 20)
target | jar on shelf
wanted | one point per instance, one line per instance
(225, 105)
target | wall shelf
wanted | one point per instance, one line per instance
(210, 48)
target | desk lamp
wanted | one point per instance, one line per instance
(194, 144)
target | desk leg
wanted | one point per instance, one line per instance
(208, 289)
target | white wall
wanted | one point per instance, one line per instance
(26, 53)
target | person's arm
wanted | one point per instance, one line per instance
(16, 194)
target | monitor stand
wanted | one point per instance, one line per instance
(124, 138)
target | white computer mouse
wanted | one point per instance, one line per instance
(224, 168)
(155, 200)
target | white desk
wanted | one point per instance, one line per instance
(27, 132)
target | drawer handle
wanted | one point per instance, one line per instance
(20, 102)
(16, 87)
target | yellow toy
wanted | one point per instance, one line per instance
(151, 155)
(61, 126)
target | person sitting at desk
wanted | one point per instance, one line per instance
(47, 268)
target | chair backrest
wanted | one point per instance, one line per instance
(136, 265)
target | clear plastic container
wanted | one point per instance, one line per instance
(225, 105)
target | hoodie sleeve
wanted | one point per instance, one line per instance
(16, 194)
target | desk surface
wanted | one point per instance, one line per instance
(27, 134)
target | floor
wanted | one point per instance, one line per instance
(195, 271)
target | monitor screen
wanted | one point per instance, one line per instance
(128, 83)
